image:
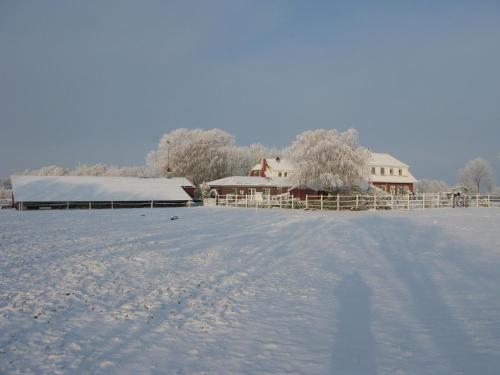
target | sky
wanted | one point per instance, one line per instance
(101, 81)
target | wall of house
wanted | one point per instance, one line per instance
(245, 190)
(387, 171)
(396, 186)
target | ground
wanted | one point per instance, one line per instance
(228, 290)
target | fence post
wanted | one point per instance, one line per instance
(307, 204)
(269, 201)
(477, 201)
(292, 202)
(423, 200)
(280, 201)
(392, 202)
(151, 204)
(357, 202)
(438, 198)
(236, 201)
(112, 205)
(408, 199)
(90, 205)
(338, 202)
(375, 201)
(489, 203)
(246, 200)
(67, 205)
(321, 202)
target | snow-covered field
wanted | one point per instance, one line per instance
(225, 291)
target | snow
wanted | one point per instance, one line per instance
(385, 160)
(244, 291)
(251, 181)
(92, 188)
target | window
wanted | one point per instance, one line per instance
(391, 171)
(279, 174)
(252, 191)
(400, 171)
(267, 191)
(382, 171)
(374, 171)
(285, 174)
(235, 191)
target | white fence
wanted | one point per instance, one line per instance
(357, 202)
(5, 203)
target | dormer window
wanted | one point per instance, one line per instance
(391, 172)
(285, 174)
(279, 174)
(382, 171)
(374, 171)
(400, 171)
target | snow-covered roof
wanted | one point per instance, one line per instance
(280, 165)
(385, 160)
(251, 181)
(93, 188)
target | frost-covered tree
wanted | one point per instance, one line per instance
(50, 170)
(476, 174)
(129, 171)
(200, 155)
(328, 160)
(90, 170)
(431, 186)
(6, 183)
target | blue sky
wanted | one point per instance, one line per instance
(101, 81)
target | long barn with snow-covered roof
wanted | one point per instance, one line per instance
(42, 192)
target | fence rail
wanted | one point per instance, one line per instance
(5, 203)
(357, 202)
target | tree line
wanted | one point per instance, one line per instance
(325, 159)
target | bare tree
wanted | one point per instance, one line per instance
(475, 174)
(431, 186)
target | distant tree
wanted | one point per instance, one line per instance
(90, 170)
(5, 184)
(50, 170)
(475, 174)
(329, 160)
(200, 155)
(431, 186)
(129, 171)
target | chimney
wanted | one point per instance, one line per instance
(263, 168)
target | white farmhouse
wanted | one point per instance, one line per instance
(390, 175)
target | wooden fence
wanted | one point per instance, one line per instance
(357, 202)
